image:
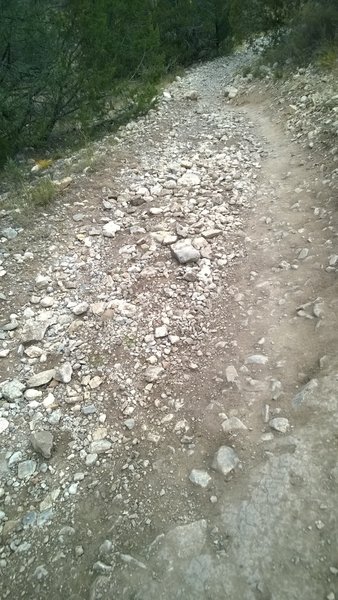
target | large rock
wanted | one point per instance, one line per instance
(64, 373)
(12, 390)
(200, 477)
(153, 373)
(34, 329)
(185, 252)
(100, 446)
(110, 229)
(189, 179)
(41, 378)
(225, 460)
(42, 442)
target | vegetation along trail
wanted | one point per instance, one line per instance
(169, 367)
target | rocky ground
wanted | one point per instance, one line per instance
(169, 359)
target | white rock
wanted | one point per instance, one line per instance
(153, 373)
(257, 359)
(200, 478)
(41, 378)
(189, 179)
(64, 373)
(80, 309)
(225, 460)
(161, 332)
(185, 252)
(280, 424)
(232, 424)
(110, 229)
(4, 424)
(231, 374)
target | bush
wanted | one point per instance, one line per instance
(311, 36)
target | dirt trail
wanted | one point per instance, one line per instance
(166, 363)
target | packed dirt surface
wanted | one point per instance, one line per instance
(169, 364)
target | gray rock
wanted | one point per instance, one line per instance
(257, 359)
(303, 254)
(9, 233)
(183, 542)
(100, 446)
(80, 309)
(34, 330)
(233, 424)
(91, 459)
(41, 378)
(280, 424)
(64, 373)
(42, 442)
(153, 373)
(231, 374)
(13, 390)
(42, 282)
(225, 460)
(26, 469)
(200, 477)
(192, 95)
(230, 92)
(88, 410)
(189, 179)
(185, 252)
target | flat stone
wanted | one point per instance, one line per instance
(200, 477)
(100, 446)
(4, 424)
(183, 542)
(34, 330)
(110, 229)
(185, 252)
(231, 374)
(232, 424)
(33, 351)
(303, 254)
(95, 382)
(208, 234)
(88, 410)
(189, 179)
(280, 424)
(257, 359)
(225, 460)
(42, 442)
(64, 373)
(161, 332)
(32, 394)
(41, 378)
(26, 469)
(12, 390)
(11, 326)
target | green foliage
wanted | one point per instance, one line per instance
(41, 194)
(251, 17)
(64, 64)
(312, 35)
(192, 29)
